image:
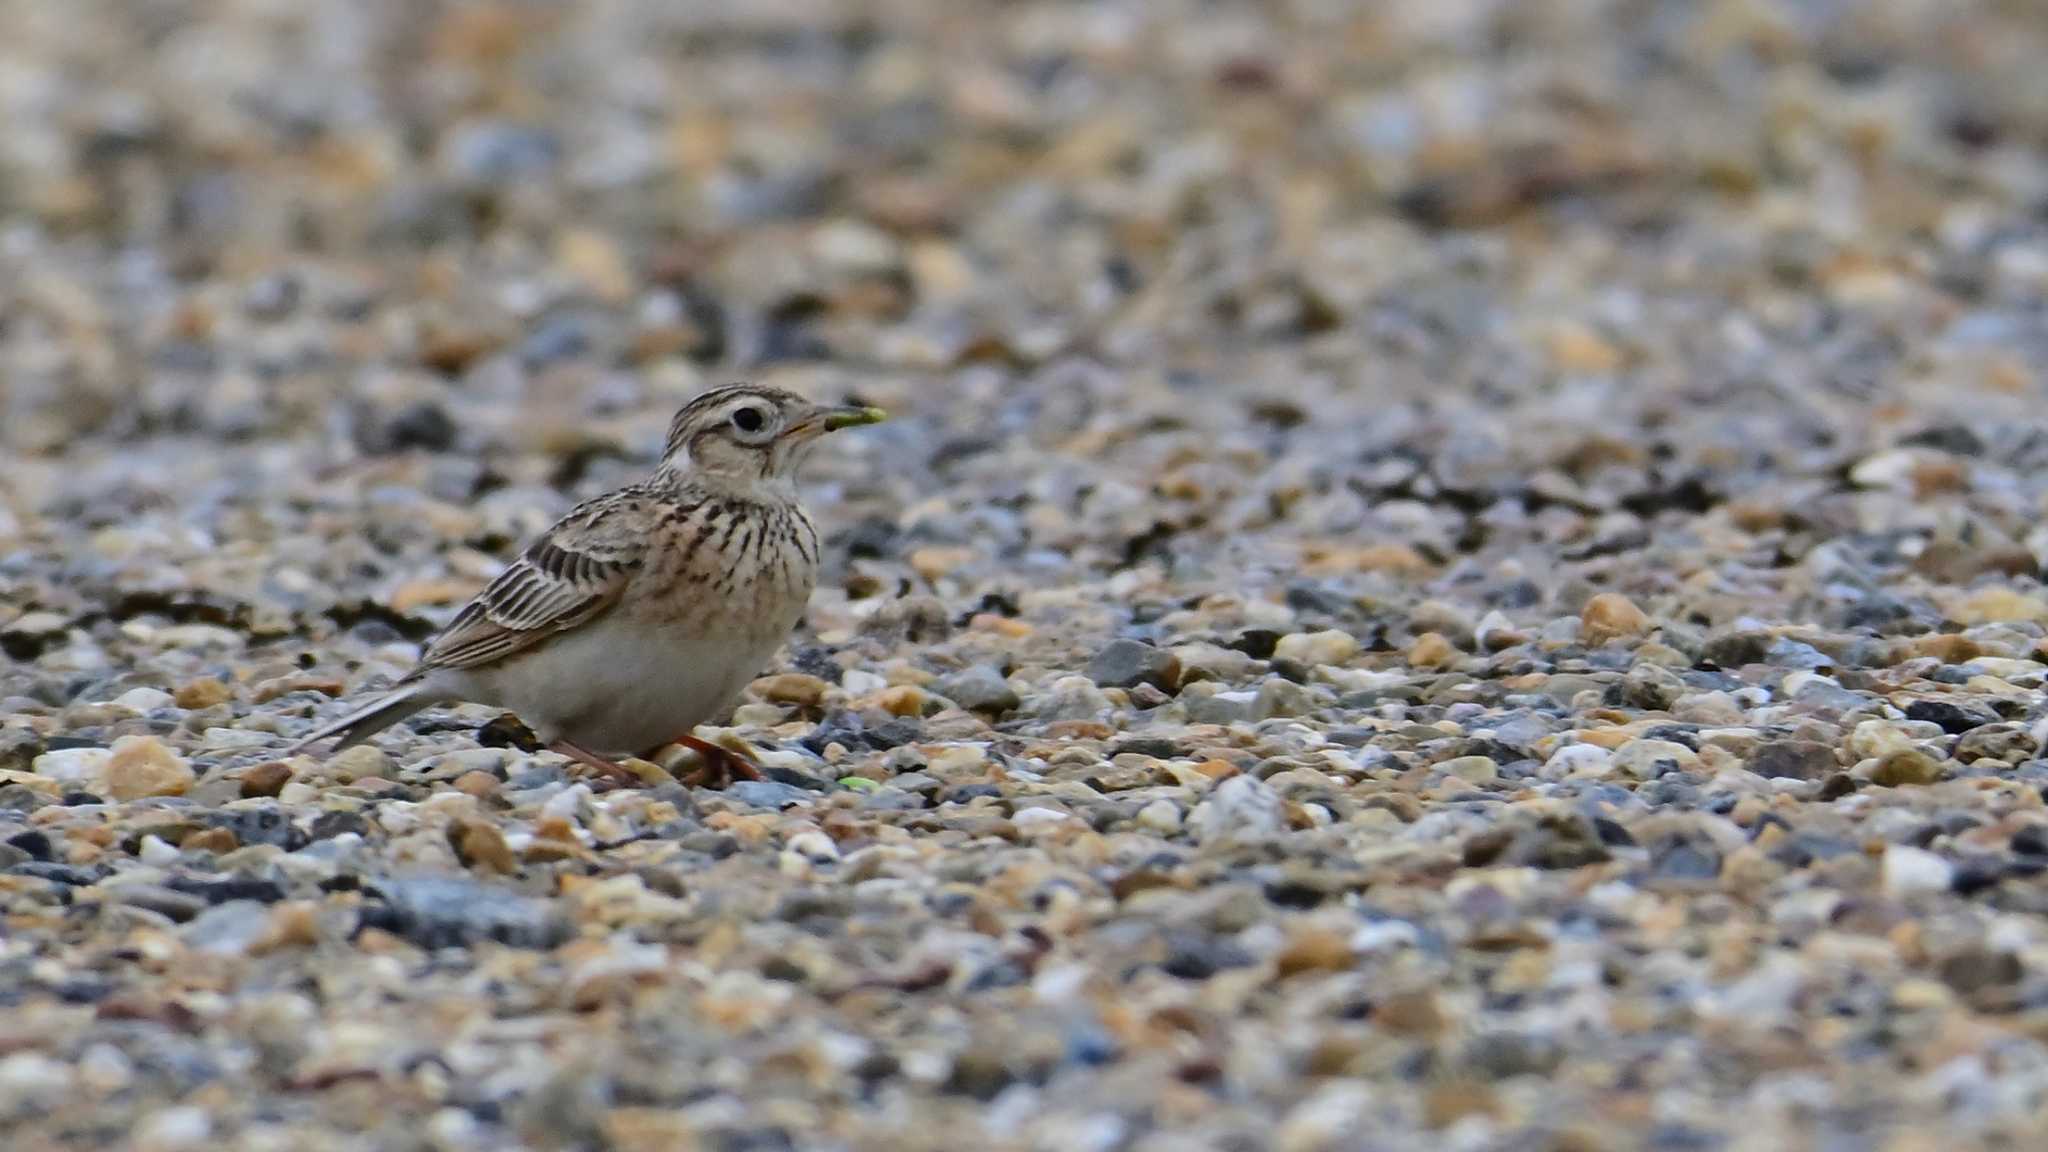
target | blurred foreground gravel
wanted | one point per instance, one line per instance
(1449, 575)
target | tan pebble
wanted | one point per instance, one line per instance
(416, 594)
(479, 844)
(1000, 625)
(146, 766)
(550, 852)
(1996, 605)
(1316, 648)
(1907, 766)
(1608, 738)
(1313, 950)
(1451, 1100)
(792, 688)
(1611, 616)
(1470, 769)
(1947, 647)
(596, 261)
(266, 779)
(904, 700)
(204, 692)
(268, 690)
(1577, 350)
(218, 841)
(293, 924)
(477, 783)
(937, 563)
(361, 762)
(1433, 650)
(1413, 1013)
(1397, 559)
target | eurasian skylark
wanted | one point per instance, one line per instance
(643, 611)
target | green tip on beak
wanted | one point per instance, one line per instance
(853, 418)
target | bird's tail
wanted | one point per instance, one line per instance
(371, 718)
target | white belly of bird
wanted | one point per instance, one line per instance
(620, 687)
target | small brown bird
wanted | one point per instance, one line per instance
(643, 611)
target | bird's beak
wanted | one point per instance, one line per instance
(823, 419)
(852, 416)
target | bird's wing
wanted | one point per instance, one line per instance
(574, 572)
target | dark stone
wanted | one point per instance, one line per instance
(1837, 786)
(1794, 760)
(2031, 840)
(237, 887)
(1129, 663)
(1685, 860)
(1735, 649)
(21, 798)
(962, 793)
(816, 660)
(1975, 969)
(980, 689)
(68, 874)
(796, 779)
(1157, 747)
(1803, 848)
(1199, 955)
(507, 731)
(328, 825)
(1976, 873)
(1257, 643)
(1612, 834)
(35, 842)
(424, 425)
(1954, 719)
(894, 732)
(19, 748)
(455, 912)
(262, 824)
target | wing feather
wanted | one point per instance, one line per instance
(572, 573)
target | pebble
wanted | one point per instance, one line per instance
(1242, 808)
(1611, 616)
(1314, 649)
(1912, 871)
(1129, 663)
(981, 689)
(144, 766)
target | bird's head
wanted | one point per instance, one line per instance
(752, 433)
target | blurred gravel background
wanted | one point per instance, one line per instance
(1450, 574)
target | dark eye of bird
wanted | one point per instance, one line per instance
(748, 420)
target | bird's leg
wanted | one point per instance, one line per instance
(721, 765)
(590, 759)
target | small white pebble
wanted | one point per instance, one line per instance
(1161, 816)
(1912, 871)
(154, 851)
(175, 1128)
(860, 682)
(571, 803)
(814, 846)
(143, 699)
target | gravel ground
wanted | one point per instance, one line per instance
(1450, 574)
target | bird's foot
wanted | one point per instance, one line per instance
(617, 773)
(720, 767)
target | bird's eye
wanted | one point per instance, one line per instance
(749, 420)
